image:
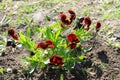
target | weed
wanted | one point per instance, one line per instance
(28, 9)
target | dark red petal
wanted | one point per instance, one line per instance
(11, 32)
(51, 63)
(72, 15)
(88, 27)
(42, 45)
(98, 26)
(76, 41)
(48, 42)
(63, 17)
(67, 22)
(71, 37)
(59, 58)
(72, 45)
(53, 58)
(87, 21)
(71, 12)
(51, 46)
(56, 60)
(60, 64)
(15, 37)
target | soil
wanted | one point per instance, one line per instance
(102, 62)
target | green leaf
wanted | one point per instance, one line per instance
(36, 29)
(1, 42)
(1, 70)
(83, 42)
(88, 49)
(55, 25)
(26, 42)
(61, 77)
(32, 69)
(28, 33)
(81, 57)
(49, 34)
(22, 38)
(48, 18)
(57, 33)
(7, 20)
(87, 34)
(24, 59)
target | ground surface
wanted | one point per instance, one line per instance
(104, 56)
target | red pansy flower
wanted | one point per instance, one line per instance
(42, 45)
(56, 60)
(73, 39)
(98, 26)
(49, 43)
(65, 20)
(68, 22)
(45, 45)
(11, 32)
(87, 22)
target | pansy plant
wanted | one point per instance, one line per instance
(56, 50)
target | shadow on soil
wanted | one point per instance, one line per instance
(103, 57)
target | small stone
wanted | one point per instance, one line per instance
(15, 71)
(9, 70)
(92, 73)
(3, 54)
